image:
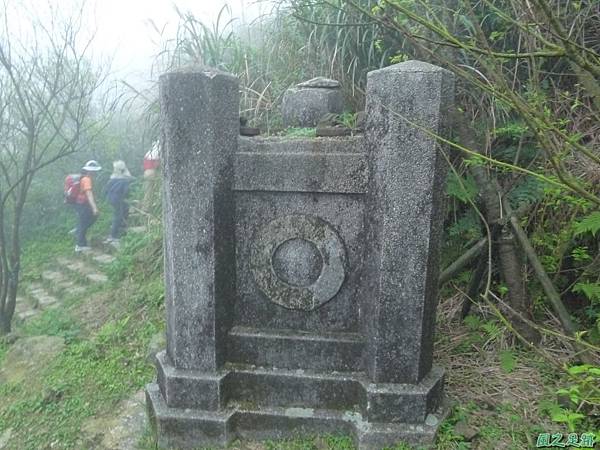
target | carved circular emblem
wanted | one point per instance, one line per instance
(298, 261)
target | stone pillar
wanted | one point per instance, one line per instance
(200, 117)
(404, 220)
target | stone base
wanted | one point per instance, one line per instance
(189, 409)
(186, 428)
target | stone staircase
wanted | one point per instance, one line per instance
(68, 276)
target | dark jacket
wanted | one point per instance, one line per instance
(116, 190)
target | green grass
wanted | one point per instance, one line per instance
(101, 367)
(37, 254)
(40, 249)
(52, 322)
(96, 370)
(90, 377)
(3, 349)
(299, 132)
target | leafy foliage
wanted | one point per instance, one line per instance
(529, 190)
(589, 224)
(463, 189)
(590, 290)
(508, 361)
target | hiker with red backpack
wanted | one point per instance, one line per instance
(79, 193)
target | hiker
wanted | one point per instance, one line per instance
(85, 205)
(116, 192)
(151, 166)
(152, 160)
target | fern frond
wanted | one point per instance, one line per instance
(530, 190)
(464, 189)
(589, 224)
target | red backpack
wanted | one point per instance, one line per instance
(72, 188)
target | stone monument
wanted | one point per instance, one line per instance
(301, 275)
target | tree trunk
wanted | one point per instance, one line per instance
(509, 266)
(559, 308)
(512, 274)
(463, 261)
(474, 284)
(4, 324)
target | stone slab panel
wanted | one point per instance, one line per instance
(285, 388)
(318, 145)
(301, 172)
(254, 212)
(342, 352)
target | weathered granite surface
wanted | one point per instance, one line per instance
(320, 82)
(255, 211)
(304, 104)
(405, 210)
(200, 122)
(301, 274)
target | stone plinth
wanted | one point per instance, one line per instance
(301, 275)
(304, 104)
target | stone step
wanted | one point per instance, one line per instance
(53, 276)
(110, 248)
(97, 277)
(138, 229)
(69, 287)
(83, 269)
(287, 388)
(24, 315)
(24, 309)
(41, 297)
(66, 287)
(22, 304)
(101, 258)
(60, 283)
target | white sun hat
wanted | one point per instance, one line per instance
(92, 166)
(120, 169)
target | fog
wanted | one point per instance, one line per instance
(131, 30)
(127, 34)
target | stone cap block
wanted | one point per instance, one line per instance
(320, 82)
(304, 104)
(317, 145)
(208, 72)
(411, 66)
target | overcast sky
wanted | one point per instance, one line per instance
(123, 30)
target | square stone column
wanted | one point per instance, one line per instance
(405, 214)
(200, 119)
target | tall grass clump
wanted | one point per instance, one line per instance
(278, 50)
